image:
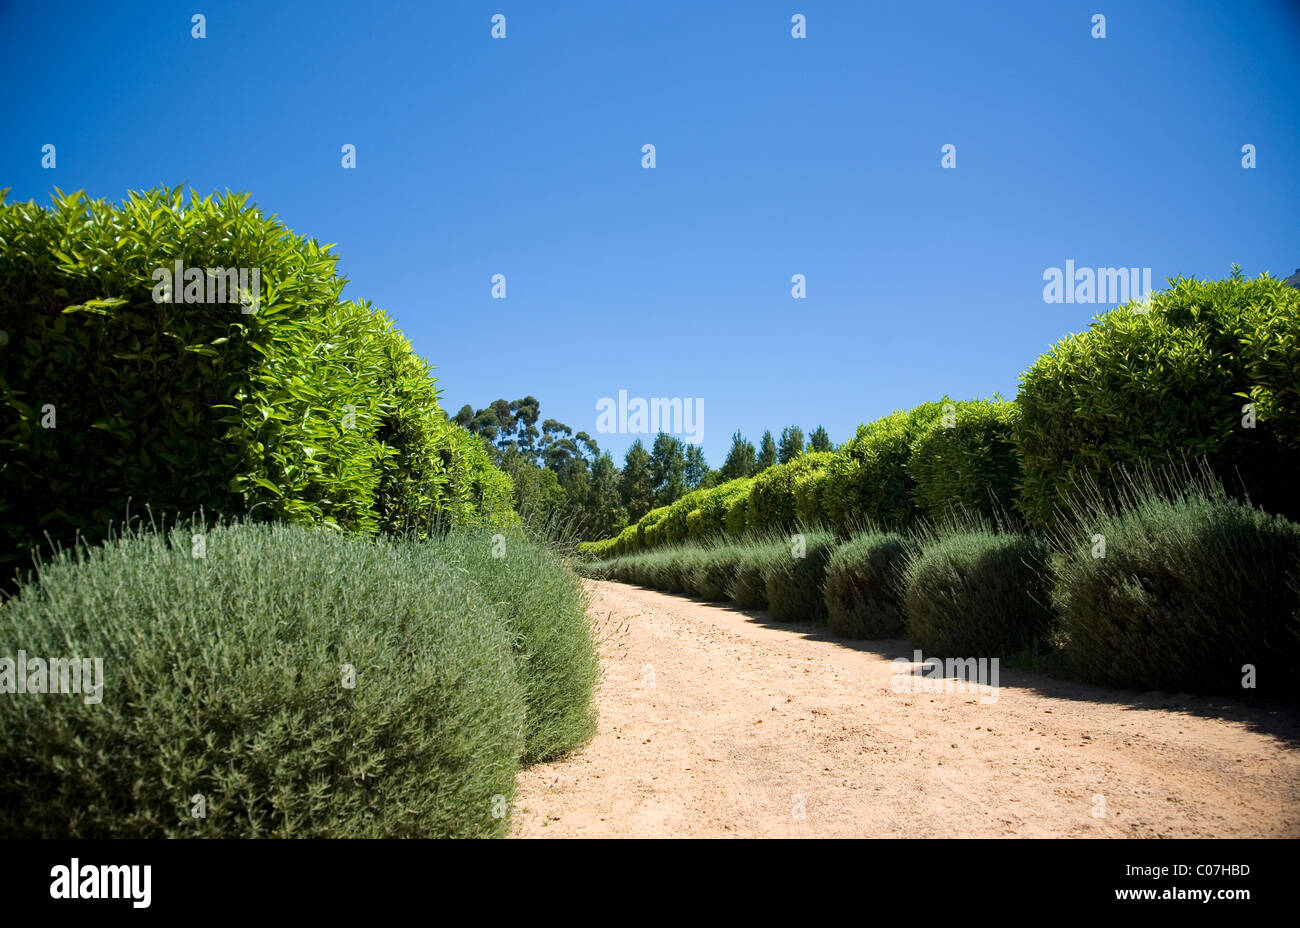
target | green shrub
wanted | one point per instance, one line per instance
(708, 521)
(604, 548)
(647, 533)
(794, 580)
(809, 503)
(869, 483)
(1189, 589)
(971, 464)
(737, 518)
(979, 593)
(310, 410)
(546, 609)
(662, 570)
(629, 540)
(1169, 383)
(674, 523)
(864, 586)
(771, 498)
(226, 676)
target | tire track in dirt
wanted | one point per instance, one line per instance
(718, 722)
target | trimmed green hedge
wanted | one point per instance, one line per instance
(771, 498)
(809, 496)
(870, 483)
(310, 410)
(674, 525)
(737, 518)
(708, 521)
(226, 677)
(1171, 382)
(969, 464)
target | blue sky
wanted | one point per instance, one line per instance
(775, 156)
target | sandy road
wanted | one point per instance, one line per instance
(716, 722)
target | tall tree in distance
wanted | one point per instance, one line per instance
(820, 440)
(605, 513)
(791, 444)
(636, 487)
(742, 459)
(697, 469)
(766, 452)
(668, 468)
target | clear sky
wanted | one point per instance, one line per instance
(775, 156)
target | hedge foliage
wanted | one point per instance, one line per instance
(1167, 383)
(968, 465)
(1179, 587)
(872, 484)
(309, 410)
(226, 677)
(710, 516)
(771, 507)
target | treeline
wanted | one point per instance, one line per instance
(563, 479)
(1204, 370)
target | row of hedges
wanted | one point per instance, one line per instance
(311, 410)
(1203, 370)
(1182, 590)
(909, 463)
(293, 682)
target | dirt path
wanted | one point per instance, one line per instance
(716, 722)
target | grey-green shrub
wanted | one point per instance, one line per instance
(714, 572)
(864, 586)
(749, 590)
(1189, 590)
(979, 593)
(546, 609)
(226, 678)
(794, 579)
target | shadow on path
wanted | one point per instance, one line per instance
(1280, 719)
